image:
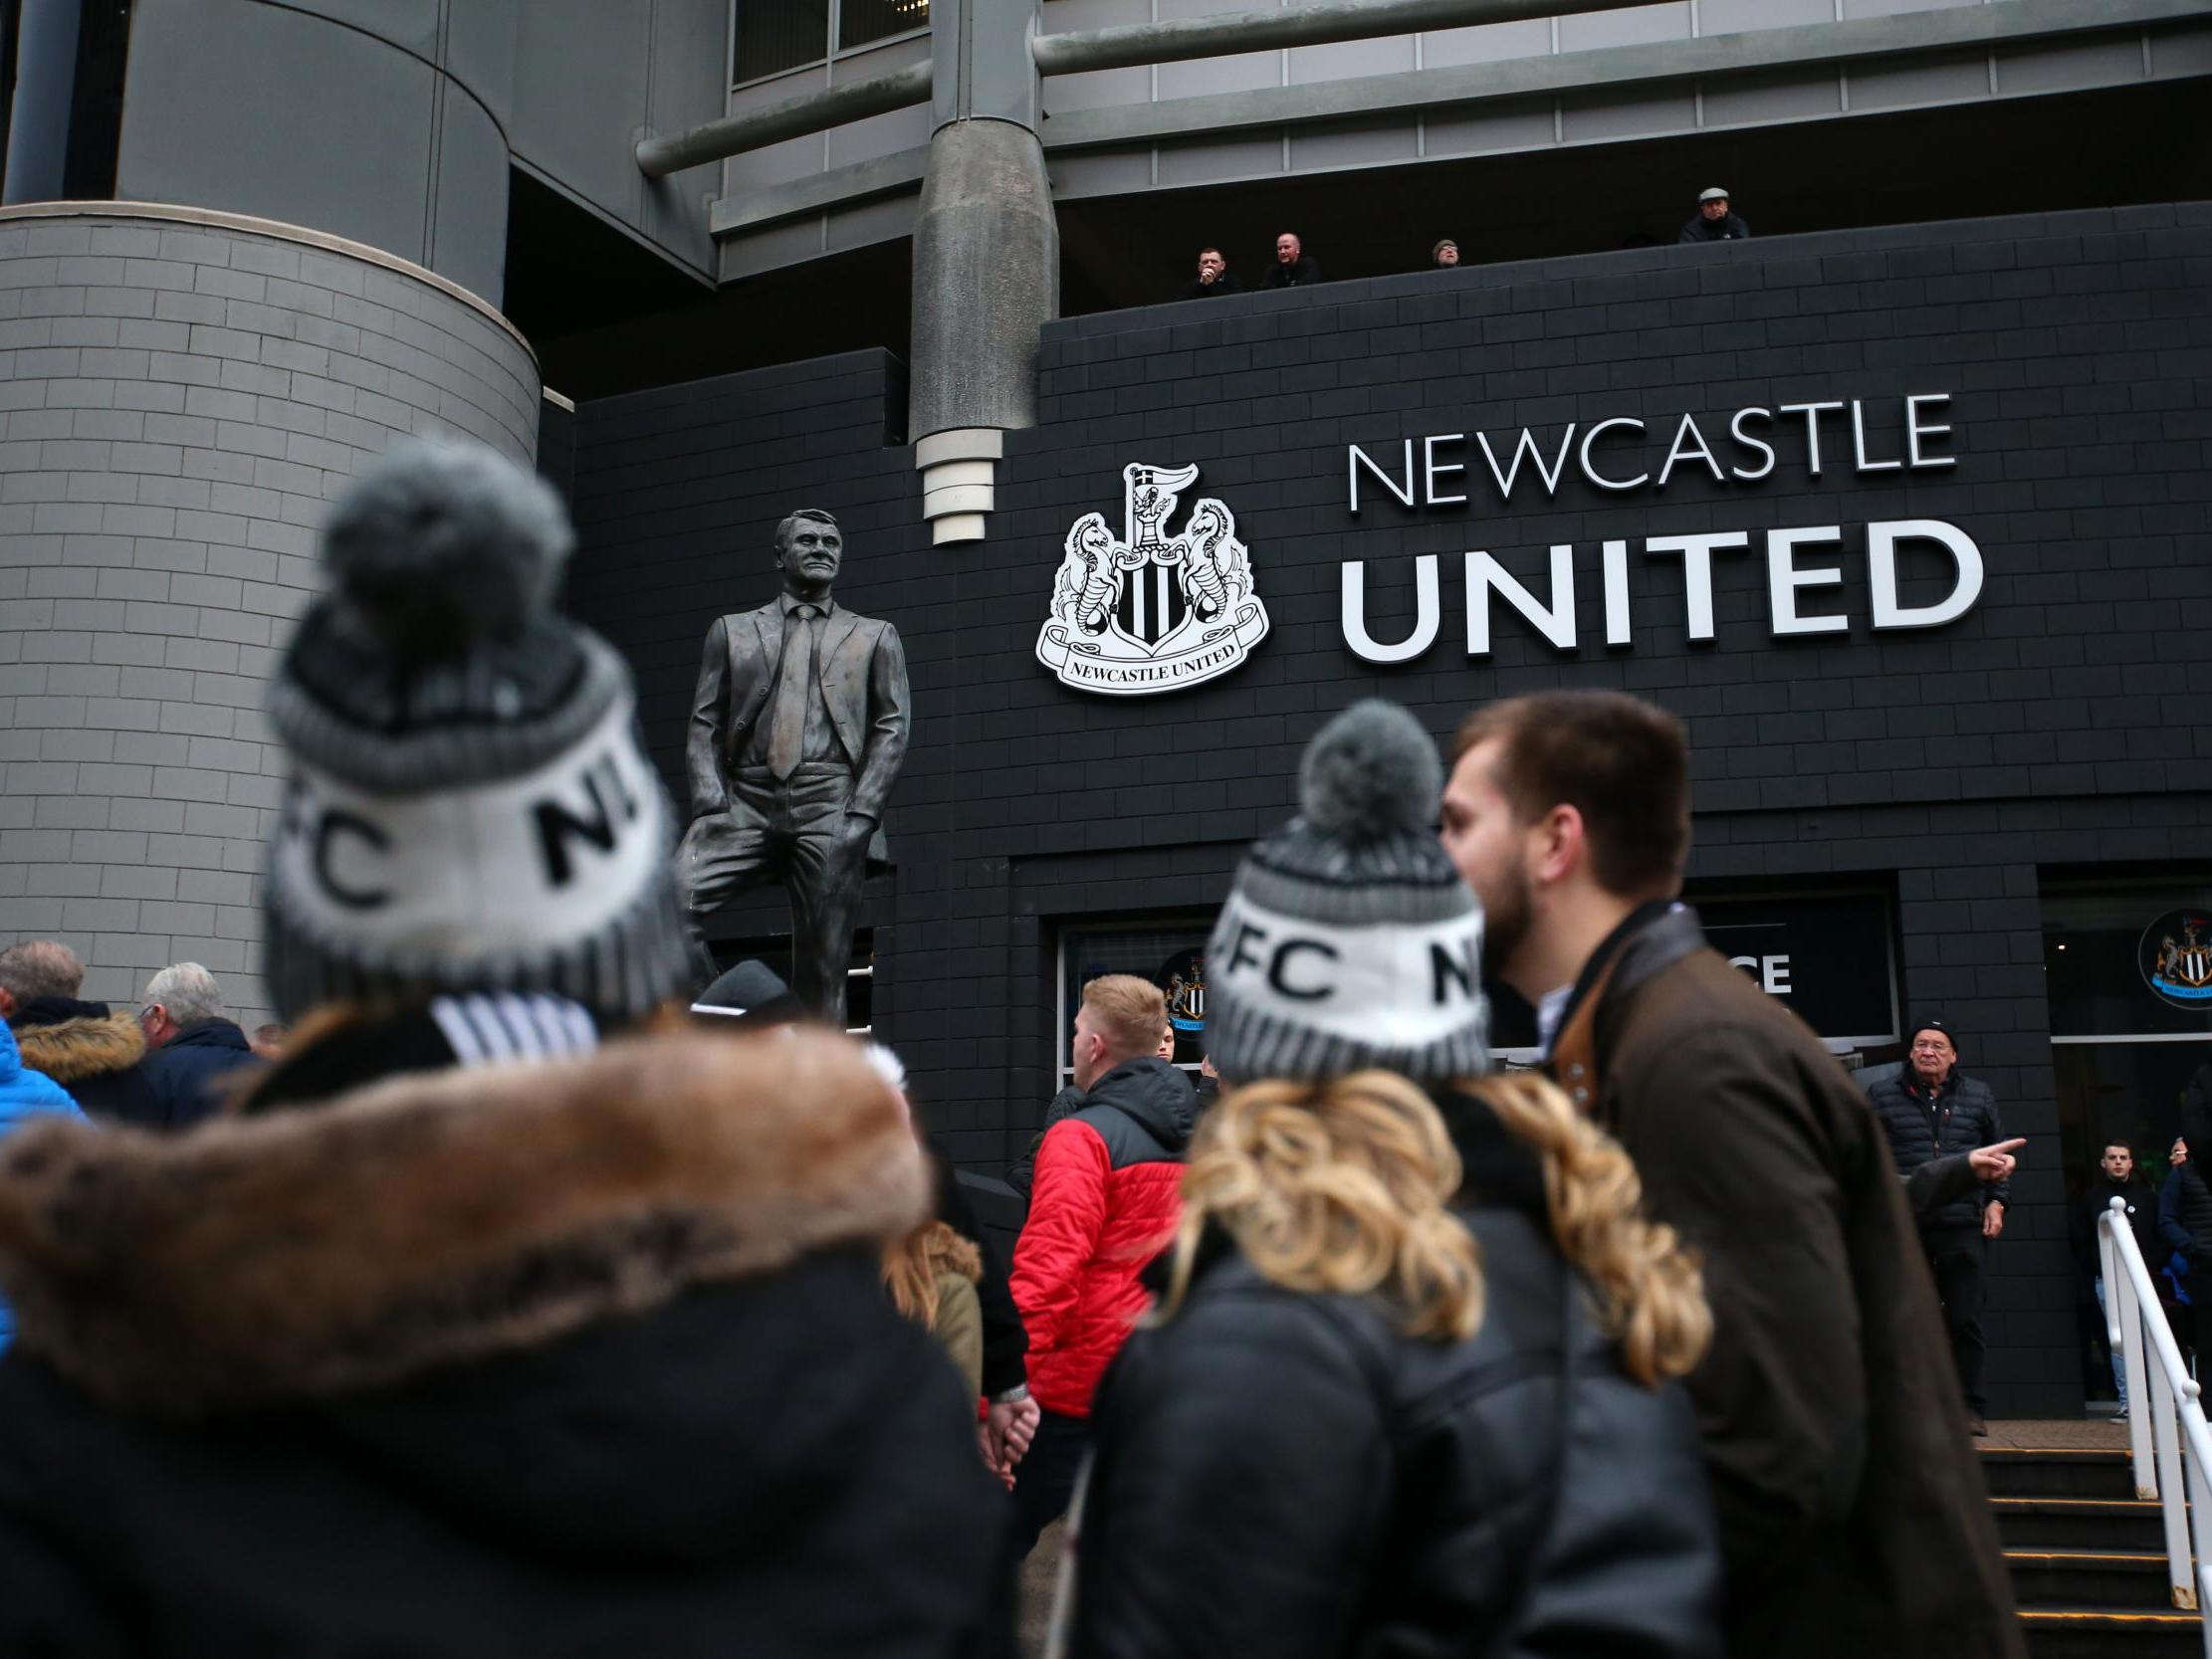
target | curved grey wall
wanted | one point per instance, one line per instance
(345, 123)
(181, 396)
(395, 122)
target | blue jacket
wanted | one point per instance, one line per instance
(25, 1093)
(186, 1078)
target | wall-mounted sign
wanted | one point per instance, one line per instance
(1153, 611)
(1826, 957)
(2175, 957)
(1182, 982)
(1618, 456)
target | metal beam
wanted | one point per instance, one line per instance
(1127, 46)
(1408, 93)
(847, 186)
(795, 117)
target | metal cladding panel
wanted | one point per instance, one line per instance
(1726, 17)
(1488, 44)
(1772, 97)
(480, 51)
(581, 87)
(469, 233)
(410, 25)
(264, 111)
(1630, 26)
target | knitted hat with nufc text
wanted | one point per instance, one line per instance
(468, 809)
(1349, 940)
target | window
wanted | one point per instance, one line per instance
(864, 21)
(771, 36)
(1168, 952)
(2127, 978)
(2127, 970)
(1826, 957)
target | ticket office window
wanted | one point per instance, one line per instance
(1830, 957)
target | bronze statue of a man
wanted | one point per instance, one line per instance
(797, 730)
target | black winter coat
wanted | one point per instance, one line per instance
(1302, 274)
(186, 1078)
(1959, 1116)
(1005, 1343)
(1700, 229)
(2196, 1213)
(1225, 283)
(574, 1359)
(1289, 1476)
(2143, 1217)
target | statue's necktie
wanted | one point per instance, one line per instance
(788, 734)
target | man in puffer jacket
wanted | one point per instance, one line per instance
(88, 1048)
(1105, 1202)
(1932, 1109)
(25, 1093)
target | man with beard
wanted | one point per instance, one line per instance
(1852, 1517)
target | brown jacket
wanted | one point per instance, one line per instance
(1853, 1516)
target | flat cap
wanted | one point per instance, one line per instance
(1715, 194)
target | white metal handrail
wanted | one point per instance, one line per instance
(2136, 1326)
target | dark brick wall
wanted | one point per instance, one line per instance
(2055, 724)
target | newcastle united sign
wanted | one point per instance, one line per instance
(1161, 608)
(1151, 612)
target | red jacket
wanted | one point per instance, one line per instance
(1107, 1197)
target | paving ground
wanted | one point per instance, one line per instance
(1038, 1575)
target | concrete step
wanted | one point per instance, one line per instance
(2127, 1580)
(2057, 1472)
(2101, 1633)
(2117, 1524)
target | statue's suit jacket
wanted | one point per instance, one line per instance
(862, 669)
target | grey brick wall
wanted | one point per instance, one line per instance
(2056, 724)
(178, 402)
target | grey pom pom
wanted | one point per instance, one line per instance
(443, 542)
(1370, 772)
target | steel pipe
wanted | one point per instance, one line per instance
(795, 117)
(1129, 45)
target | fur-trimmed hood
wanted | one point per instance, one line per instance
(943, 1251)
(440, 1217)
(69, 1051)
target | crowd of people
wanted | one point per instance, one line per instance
(535, 1299)
(1292, 267)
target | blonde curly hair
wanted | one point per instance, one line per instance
(1345, 1186)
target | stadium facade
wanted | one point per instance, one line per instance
(1900, 503)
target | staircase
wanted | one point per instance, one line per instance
(2087, 1557)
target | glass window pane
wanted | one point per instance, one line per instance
(775, 35)
(1170, 955)
(2131, 961)
(864, 21)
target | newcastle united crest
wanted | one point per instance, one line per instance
(2176, 959)
(1151, 612)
